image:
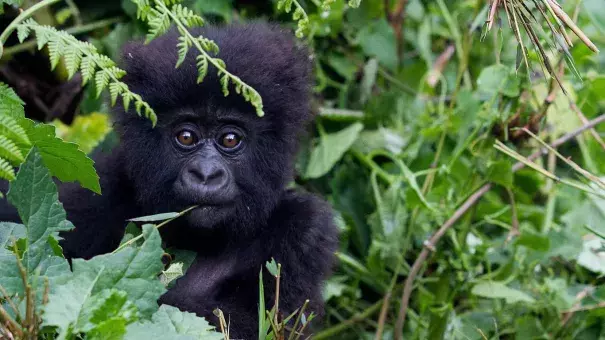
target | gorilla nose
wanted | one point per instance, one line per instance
(210, 176)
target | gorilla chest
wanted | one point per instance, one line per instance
(205, 277)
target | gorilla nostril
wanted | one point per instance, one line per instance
(213, 177)
(208, 174)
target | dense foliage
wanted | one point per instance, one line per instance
(431, 143)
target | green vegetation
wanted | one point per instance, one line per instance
(460, 143)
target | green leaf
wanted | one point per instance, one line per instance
(498, 79)
(66, 304)
(156, 217)
(170, 323)
(378, 40)
(498, 290)
(35, 196)
(330, 149)
(74, 308)
(272, 267)
(172, 273)
(64, 160)
(501, 172)
(110, 307)
(133, 270)
(533, 240)
(592, 257)
(10, 232)
(10, 104)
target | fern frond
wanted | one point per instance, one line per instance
(143, 8)
(299, 15)
(12, 130)
(114, 91)
(159, 22)
(225, 84)
(187, 16)
(87, 66)
(101, 81)
(183, 18)
(10, 151)
(83, 56)
(72, 62)
(202, 67)
(6, 170)
(22, 33)
(208, 45)
(183, 47)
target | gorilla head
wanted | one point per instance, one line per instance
(207, 149)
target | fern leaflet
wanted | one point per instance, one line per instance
(159, 17)
(83, 56)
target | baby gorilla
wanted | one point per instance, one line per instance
(215, 152)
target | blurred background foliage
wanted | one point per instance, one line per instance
(411, 96)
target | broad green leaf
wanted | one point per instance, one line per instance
(592, 257)
(560, 115)
(10, 277)
(170, 323)
(501, 172)
(110, 307)
(64, 160)
(498, 290)
(10, 103)
(35, 196)
(55, 268)
(334, 287)
(132, 270)
(172, 273)
(156, 217)
(74, 308)
(330, 149)
(66, 304)
(10, 232)
(87, 131)
(498, 79)
(382, 138)
(533, 240)
(378, 40)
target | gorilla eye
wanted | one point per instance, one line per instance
(230, 140)
(186, 138)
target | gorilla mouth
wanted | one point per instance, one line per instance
(209, 215)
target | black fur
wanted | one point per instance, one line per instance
(265, 221)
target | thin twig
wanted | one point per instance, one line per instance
(474, 198)
(584, 120)
(397, 20)
(585, 308)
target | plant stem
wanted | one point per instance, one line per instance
(134, 239)
(24, 15)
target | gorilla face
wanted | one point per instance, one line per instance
(229, 164)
